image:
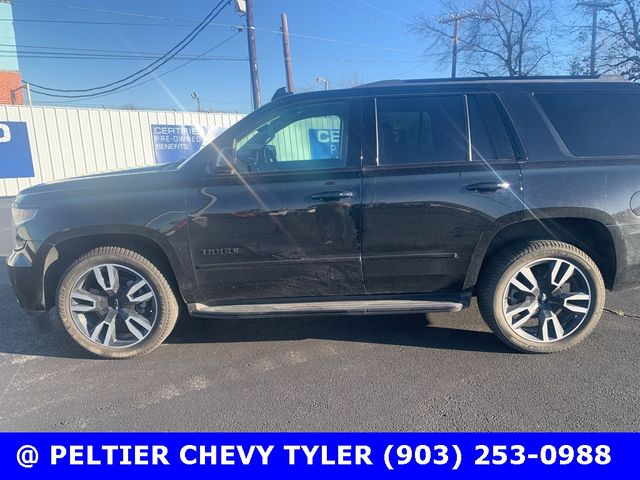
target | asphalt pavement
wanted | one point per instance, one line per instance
(445, 372)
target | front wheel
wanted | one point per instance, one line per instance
(116, 303)
(542, 296)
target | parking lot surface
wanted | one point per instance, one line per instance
(445, 372)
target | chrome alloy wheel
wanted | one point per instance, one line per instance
(547, 300)
(113, 306)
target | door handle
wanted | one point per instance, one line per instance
(331, 196)
(488, 187)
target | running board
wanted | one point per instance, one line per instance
(370, 307)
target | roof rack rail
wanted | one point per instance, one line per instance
(549, 78)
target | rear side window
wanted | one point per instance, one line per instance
(490, 139)
(422, 129)
(595, 124)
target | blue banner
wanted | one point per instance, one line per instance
(174, 143)
(15, 151)
(325, 143)
(319, 456)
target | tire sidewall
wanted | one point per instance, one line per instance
(596, 286)
(150, 274)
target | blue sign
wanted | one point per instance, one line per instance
(309, 456)
(15, 152)
(174, 143)
(325, 143)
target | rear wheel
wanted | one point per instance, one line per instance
(542, 296)
(116, 303)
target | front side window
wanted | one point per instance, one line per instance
(304, 138)
(422, 129)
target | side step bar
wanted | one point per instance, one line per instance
(371, 307)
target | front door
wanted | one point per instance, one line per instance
(444, 170)
(285, 223)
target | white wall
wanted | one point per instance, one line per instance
(71, 142)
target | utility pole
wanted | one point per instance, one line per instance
(456, 19)
(14, 94)
(595, 8)
(286, 48)
(253, 55)
(594, 41)
(28, 85)
(325, 81)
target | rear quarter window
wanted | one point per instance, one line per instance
(595, 124)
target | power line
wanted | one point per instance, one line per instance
(172, 22)
(125, 88)
(176, 23)
(151, 56)
(156, 17)
(106, 57)
(96, 10)
(386, 12)
(341, 42)
(360, 13)
(22, 47)
(154, 65)
(223, 25)
(172, 54)
(47, 51)
(415, 5)
(325, 39)
(409, 70)
(32, 51)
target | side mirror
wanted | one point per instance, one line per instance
(225, 163)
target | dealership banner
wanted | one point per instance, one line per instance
(174, 143)
(15, 150)
(325, 143)
(319, 455)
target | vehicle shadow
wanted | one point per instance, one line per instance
(17, 336)
(414, 330)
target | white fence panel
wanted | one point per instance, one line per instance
(70, 142)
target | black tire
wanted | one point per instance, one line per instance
(496, 278)
(166, 311)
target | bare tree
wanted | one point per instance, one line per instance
(349, 80)
(585, 26)
(623, 27)
(496, 37)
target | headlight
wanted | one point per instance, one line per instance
(22, 215)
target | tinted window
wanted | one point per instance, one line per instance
(422, 129)
(310, 139)
(489, 137)
(595, 124)
(303, 138)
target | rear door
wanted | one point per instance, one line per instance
(443, 171)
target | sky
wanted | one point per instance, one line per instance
(340, 40)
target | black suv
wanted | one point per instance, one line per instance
(401, 196)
